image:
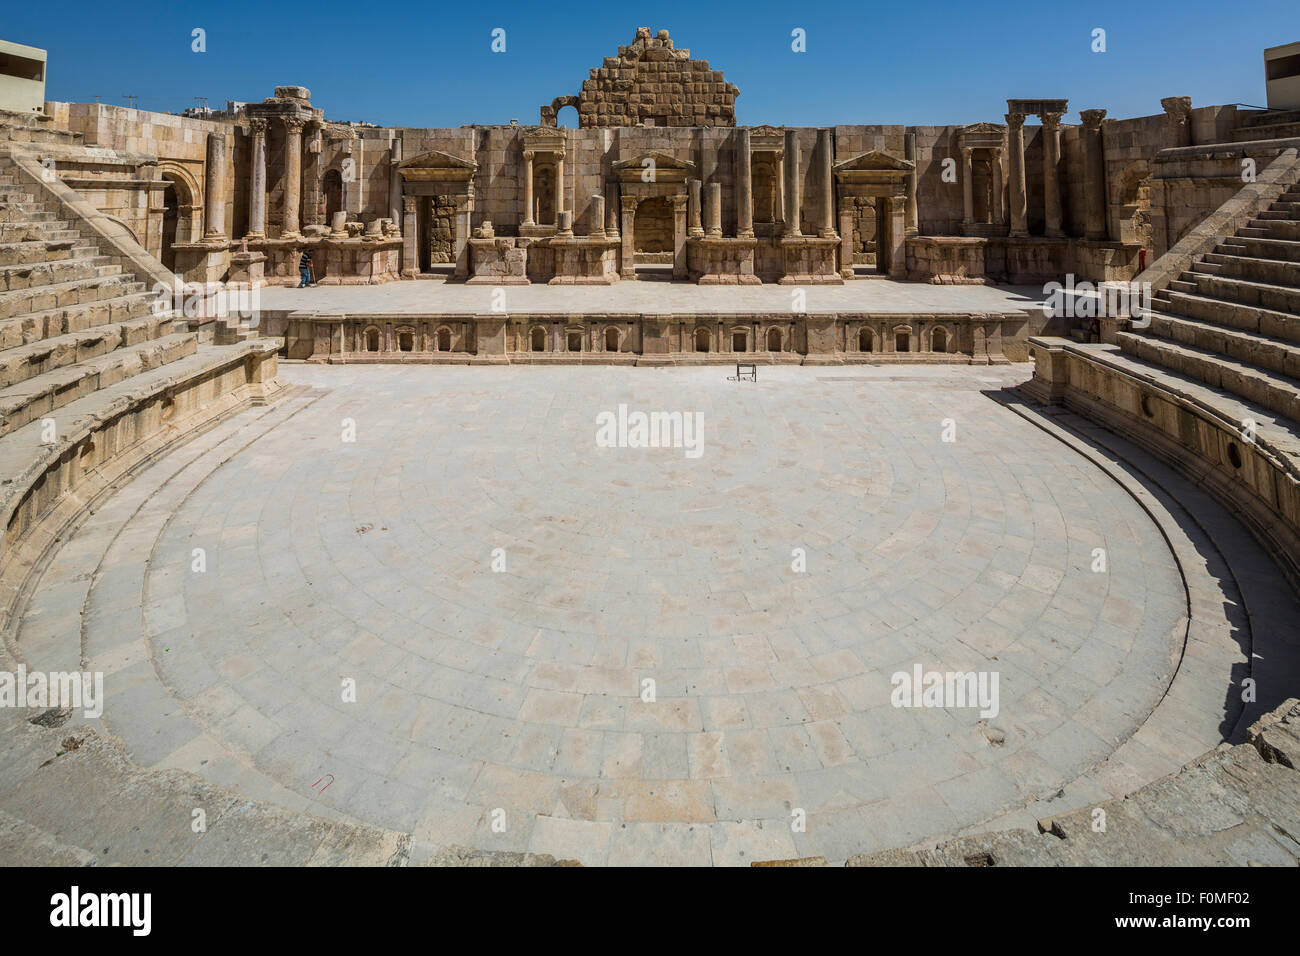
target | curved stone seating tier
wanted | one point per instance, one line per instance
(95, 377)
(1212, 383)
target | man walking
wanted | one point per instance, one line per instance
(304, 269)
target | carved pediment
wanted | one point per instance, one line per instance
(874, 161)
(661, 161)
(983, 128)
(543, 140)
(766, 131)
(436, 165)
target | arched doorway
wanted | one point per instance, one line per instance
(372, 339)
(171, 217)
(739, 341)
(544, 194)
(939, 340)
(611, 340)
(866, 341)
(539, 339)
(701, 340)
(444, 339)
(774, 340)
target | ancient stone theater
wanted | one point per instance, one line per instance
(1017, 400)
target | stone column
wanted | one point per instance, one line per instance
(598, 215)
(827, 151)
(410, 236)
(1094, 183)
(395, 182)
(1016, 160)
(792, 198)
(996, 211)
(559, 186)
(909, 153)
(629, 249)
(695, 228)
(846, 237)
(461, 239)
(679, 236)
(967, 187)
(257, 186)
(611, 212)
(715, 211)
(292, 174)
(1179, 111)
(897, 237)
(744, 187)
(214, 202)
(1052, 173)
(528, 187)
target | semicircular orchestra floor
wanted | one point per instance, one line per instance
(430, 600)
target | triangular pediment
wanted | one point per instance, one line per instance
(436, 159)
(874, 161)
(983, 128)
(765, 131)
(661, 161)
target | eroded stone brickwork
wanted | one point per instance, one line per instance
(650, 83)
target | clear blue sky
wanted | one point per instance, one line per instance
(921, 62)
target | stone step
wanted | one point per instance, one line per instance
(1269, 131)
(1290, 207)
(1247, 318)
(35, 275)
(34, 326)
(1272, 228)
(1277, 393)
(36, 397)
(66, 293)
(1280, 298)
(1277, 249)
(1270, 271)
(32, 251)
(1275, 355)
(1273, 215)
(25, 362)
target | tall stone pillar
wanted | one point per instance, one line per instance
(967, 187)
(792, 198)
(559, 187)
(695, 228)
(846, 236)
(395, 181)
(292, 174)
(897, 237)
(461, 238)
(257, 187)
(410, 236)
(1094, 183)
(629, 247)
(528, 187)
(714, 205)
(996, 210)
(598, 215)
(214, 187)
(909, 153)
(1179, 111)
(827, 152)
(1052, 174)
(611, 212)
(679, 237)
(1016, 162)
(744, 186)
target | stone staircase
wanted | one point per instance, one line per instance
(98, 374)
(1232, 321)
(70, 321)
(1267, 124)
(1212, 384)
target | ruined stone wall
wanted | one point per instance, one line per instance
(650, 81)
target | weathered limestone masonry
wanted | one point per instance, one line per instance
(657, 181)
(98, 373)
(1209, 379)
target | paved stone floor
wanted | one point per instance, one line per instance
(437, 295)
(513, 698)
